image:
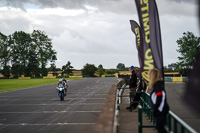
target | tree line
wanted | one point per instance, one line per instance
(29, 53)
(25, 54)
(88, 69)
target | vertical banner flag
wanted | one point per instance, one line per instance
(139, 44)
(150, 27)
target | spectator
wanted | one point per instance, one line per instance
(142, 87)
(159, 103)
(133, 82)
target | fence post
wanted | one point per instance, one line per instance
(175, 126)
(182, 129)
(169, 122)
(140, 120)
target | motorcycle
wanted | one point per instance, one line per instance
(61, 93)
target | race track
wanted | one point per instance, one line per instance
(39, 110)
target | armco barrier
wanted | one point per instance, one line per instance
(49, 77)
(168, 79)
(24, 78)
(75, 76)
(185, 79)
(103, 76)
(177, 79)
(62, 77)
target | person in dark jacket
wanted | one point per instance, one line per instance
(158, 98)
(133, 82)
(142, 87)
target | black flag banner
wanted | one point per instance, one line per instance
(139, 44)
(150, 27)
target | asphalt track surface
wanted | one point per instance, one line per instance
(39, 110)
(175, 98)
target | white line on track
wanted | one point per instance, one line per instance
(50, 112)
(28, 94)
(50, 99)
(52, 104)
(46, 124)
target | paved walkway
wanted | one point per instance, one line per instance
(128, 121)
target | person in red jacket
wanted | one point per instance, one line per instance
(158, 98)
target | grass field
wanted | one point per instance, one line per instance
(14, 84)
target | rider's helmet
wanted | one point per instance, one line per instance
(63, 78)
(60, 81)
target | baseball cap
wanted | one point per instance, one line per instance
(131, 67)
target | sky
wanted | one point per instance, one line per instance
(97, 31)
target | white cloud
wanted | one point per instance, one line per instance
(180, 7)
(55, 11)
(97, 32)
(172, 28)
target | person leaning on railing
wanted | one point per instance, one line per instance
(158, 98)
(133, 83)
(141, 88)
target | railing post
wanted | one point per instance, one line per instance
(175, 126)
(169, 122)
(130, 97)
(182, 129)
(140, 120)
(151, 116)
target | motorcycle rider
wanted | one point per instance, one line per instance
(61, 82)
(65, 83)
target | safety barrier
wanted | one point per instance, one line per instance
(103, 76)
(175, 79)
(173, 123)
(75, 76)
(24, 77)
(49, 77)
(120, 91)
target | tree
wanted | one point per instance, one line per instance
(121, 67)
(67, 69)
(43, 45)
(6, 71)
(111, 71)
(173, 67)
(20, 45)
(28, 54)
(33, 65)
(53, 65)
(89, 69)
(100, 70)
(189, 48)
(5, 54)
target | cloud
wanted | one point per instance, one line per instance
(115, 6)
(187, 1)
(172, 28)
(177, 7)
(96, 31)
(98, 39)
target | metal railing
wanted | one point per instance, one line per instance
(175, 121)
(174, 124)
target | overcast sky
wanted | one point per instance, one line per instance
(97, 31)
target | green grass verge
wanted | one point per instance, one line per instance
(14, 84)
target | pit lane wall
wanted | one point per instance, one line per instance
(176, 79)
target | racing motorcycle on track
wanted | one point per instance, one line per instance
(61, 92)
